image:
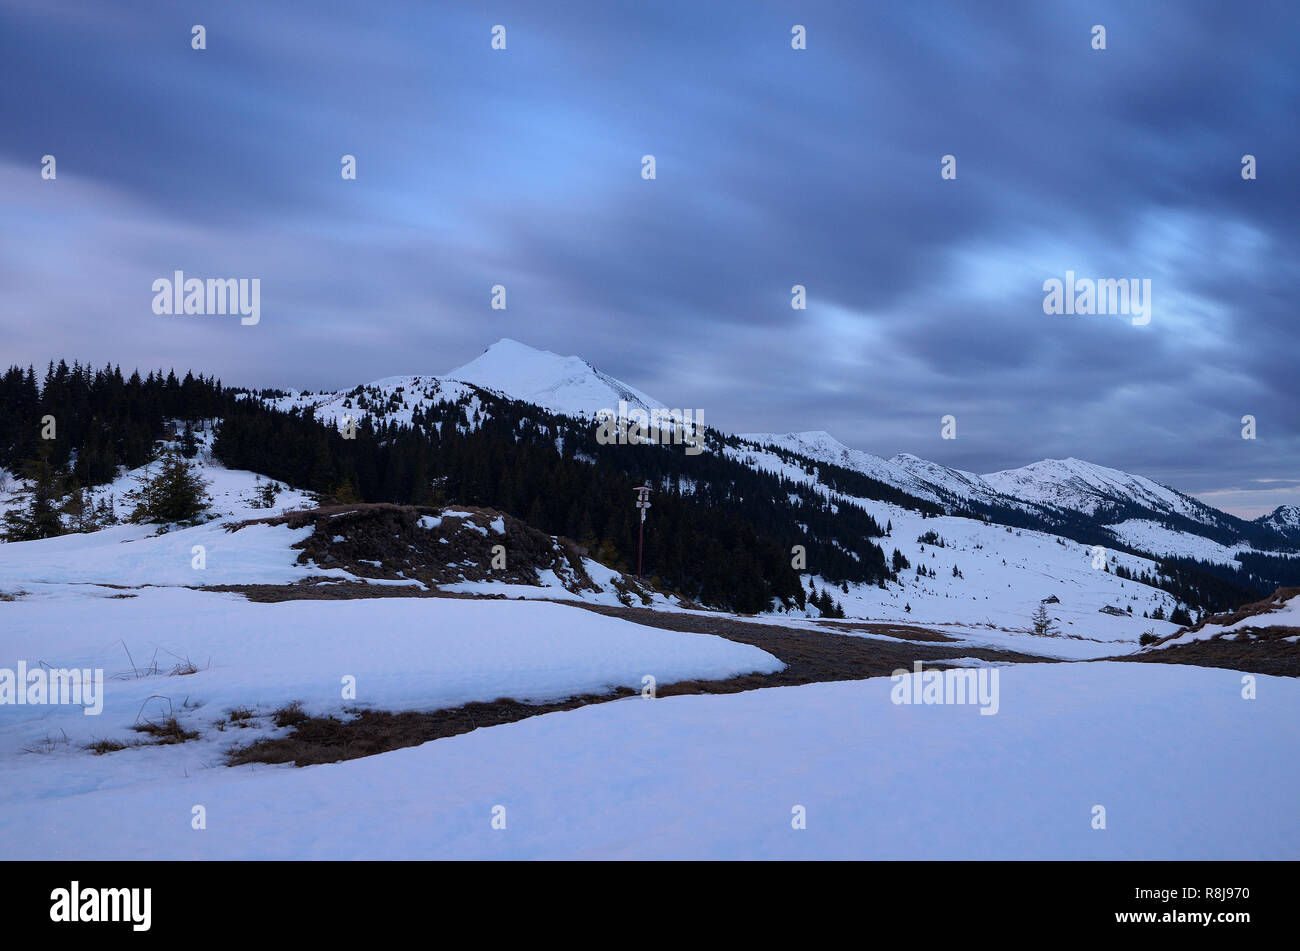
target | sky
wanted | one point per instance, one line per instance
(523, 167)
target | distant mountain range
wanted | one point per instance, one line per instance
(572, 386)
(1071, 498)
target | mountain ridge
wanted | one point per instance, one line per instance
(1057, 490)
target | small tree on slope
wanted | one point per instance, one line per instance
(1042, 622)
(40, 517)
(174, 494)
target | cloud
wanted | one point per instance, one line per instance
(775, 167)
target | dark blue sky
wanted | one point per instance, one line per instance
(775, 167)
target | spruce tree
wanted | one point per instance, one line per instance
(40, 517)
(1042, 622)
(189, 445)
(174, 494)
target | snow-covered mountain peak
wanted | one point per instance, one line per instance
(1085, 486)
(1284, 515)
(558, 383)
(1285, 520)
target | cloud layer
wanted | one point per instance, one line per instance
(774, 167)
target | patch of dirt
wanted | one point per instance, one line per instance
(810, 656)
(1254, 609)
(1256, 650)
(902, 632)
(329, 740)
(331, 589)
(1266, 653)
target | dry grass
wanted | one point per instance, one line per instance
(166, 732)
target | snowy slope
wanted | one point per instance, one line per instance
(1005, 573)
(1050, 488)
(821, 446)
(393, 399)
(955, 482)
(1152, 537)
(232, 492)
(1170, 752)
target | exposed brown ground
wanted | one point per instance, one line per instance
(1257, 650)
(380, 540)
(1267, 653)
(1254, 609)
(810, 656)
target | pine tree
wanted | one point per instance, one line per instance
(345, 494)
(174, 494)
(106, 511)
(189, 445)
(1042, 622)
(266, 493)
(40, 517)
